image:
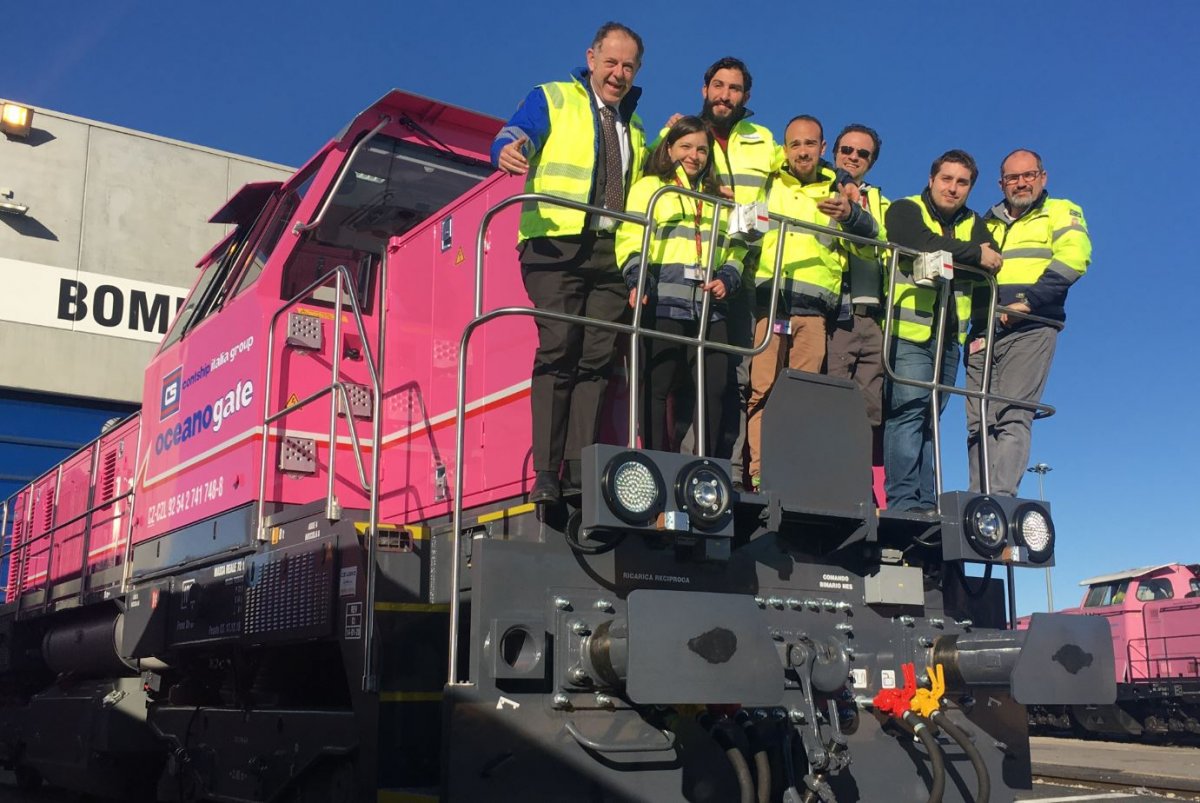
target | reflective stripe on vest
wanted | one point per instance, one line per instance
(1030, 243)
(566, 164)
(812, 263)
(747, 163)
(673, 242)
(915, 305)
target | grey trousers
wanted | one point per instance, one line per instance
(1020, 366)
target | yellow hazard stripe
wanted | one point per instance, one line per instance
(417, 532)
(412, 607)
(500, 514)
(410, 696)
(392, 796)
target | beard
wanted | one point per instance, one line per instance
(723, 123)
(1022, 203)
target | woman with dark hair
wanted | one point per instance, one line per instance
(677, 282)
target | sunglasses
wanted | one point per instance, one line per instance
(846, 150)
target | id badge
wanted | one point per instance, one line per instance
(693, 274)
(976, 345)
(783, 326)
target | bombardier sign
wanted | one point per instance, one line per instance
(43, 295)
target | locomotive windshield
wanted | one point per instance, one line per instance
(391, 187)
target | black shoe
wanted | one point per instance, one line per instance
(929, 513)
(572, 482)
(545, 488)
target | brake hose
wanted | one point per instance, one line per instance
(983, 781)
(937, 760)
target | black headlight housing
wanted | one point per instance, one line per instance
(996, 529)
(704, 491)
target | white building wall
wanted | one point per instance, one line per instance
(110, 208)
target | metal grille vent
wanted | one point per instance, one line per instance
(305, 331)
(289, 593)
(47, 509)
(108, 476)
(360, 401)
(298, 455)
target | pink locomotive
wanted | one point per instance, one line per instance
(308, 568)
(1154, 615)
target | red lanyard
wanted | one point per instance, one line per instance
(699, 224)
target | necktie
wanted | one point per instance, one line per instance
(614, 175)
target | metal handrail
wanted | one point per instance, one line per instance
(343, 284)
(1145, 660)
(633, 329)
(300, 228)
(49, 533)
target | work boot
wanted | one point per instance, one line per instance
(545, 488)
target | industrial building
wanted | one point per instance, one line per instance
(100, 229)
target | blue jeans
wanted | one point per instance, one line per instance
(908, 424)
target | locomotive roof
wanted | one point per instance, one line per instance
(1131, 573)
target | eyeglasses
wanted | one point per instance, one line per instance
(846, 150)
(1027, 176)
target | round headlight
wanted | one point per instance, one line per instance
(703, 489)
(1035, 531)
(985, 526)
(633, 488)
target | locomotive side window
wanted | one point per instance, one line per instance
(1150, 590)
(1193, 588)
(200, 302)
(1106, 594)
(272, 232)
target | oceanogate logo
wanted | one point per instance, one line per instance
(209, 417)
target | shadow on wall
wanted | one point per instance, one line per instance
(28, 226)
(37, 136)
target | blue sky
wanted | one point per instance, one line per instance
(1098, 88)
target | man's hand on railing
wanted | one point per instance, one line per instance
(1019, 306)
(837, 207)
(633, 298)
(990, 258)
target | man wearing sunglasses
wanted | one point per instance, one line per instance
(855, 347)
(1046, 249)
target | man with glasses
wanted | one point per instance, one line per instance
(1046, 248)
(855, 347)
(936, 220)
(580, 140)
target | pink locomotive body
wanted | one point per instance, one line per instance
(209, 388)
(1153, 613)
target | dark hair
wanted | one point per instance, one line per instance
(729, 63)
(861, 129)
(661, 164)
(616, 27)
(957, 157)
(1032, 153)
(810, 119)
